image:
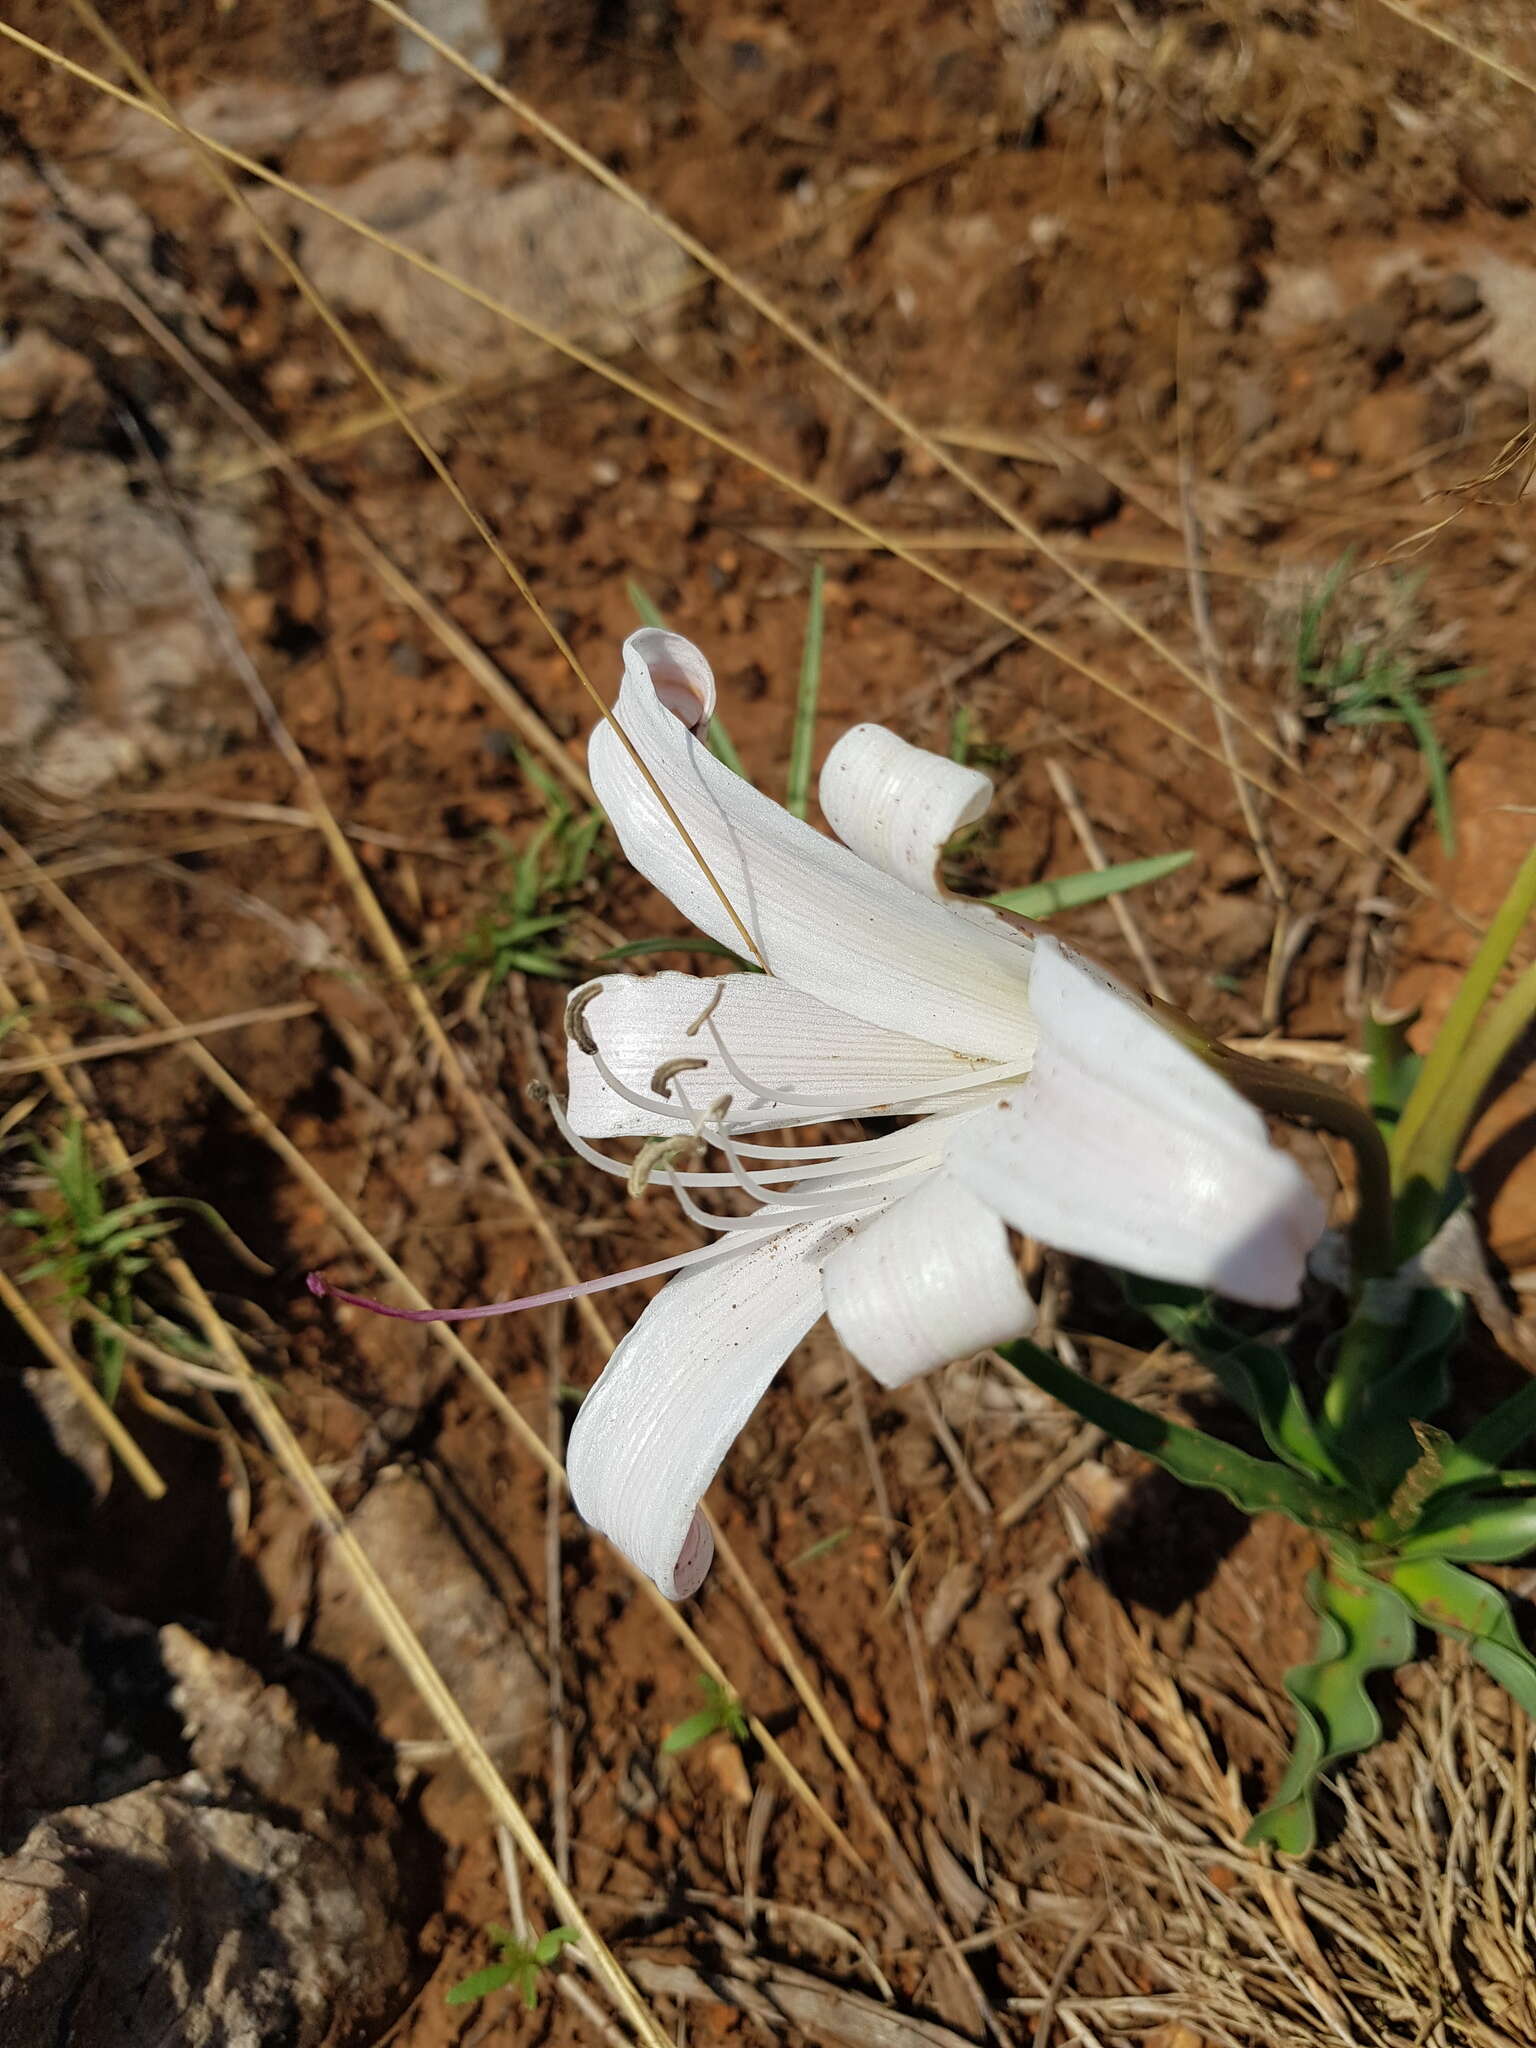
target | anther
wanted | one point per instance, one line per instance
(667, 1072)
(576, 1026)
(655, 1155)
(708, 1010)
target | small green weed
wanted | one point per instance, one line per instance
(95, 1252)
(520, 1965)
(525, 930)
(1361, 659)
(722, 1715)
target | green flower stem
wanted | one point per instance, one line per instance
(1304, 1100)
(1433, 1158)
(1443, 1060)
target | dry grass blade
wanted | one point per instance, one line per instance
(1524, 79)
(151, 1041)
(1088, 839)
(1339, 826)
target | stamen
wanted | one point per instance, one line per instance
(323, 1290)
(668, 1071)
(655, 1155)
(708, 1010)
(576, 1027)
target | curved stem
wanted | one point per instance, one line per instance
(1302, 1099)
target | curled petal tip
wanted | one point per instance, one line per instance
(694, 1559)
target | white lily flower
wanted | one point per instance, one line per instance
(1040, 1095)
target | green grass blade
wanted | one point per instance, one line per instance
(1422, 726)
(723, 748)
(644, 605)
(636, 949)
(1071, 892)
(798, 789)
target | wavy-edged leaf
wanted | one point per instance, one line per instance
(1364, 1627)
(1458, 1604)
(1476, 1530)
(1256, 1375)
(1255, 1484)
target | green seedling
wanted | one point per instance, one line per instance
(520, 1966)
(722, 1715)
(1353, 676)
(1070, 892)
(526, 930)
(94, 1251)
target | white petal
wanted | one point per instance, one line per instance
(824, 920)
(898, 806)
(677, 1392)
(774, 1034)
(1122, 1145)
(929, 1279)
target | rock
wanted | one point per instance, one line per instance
(108, 655)
(554, 247)
(1078, 498)
(50, 1717)
(252, 1899)
(163, 1916)
(1456, 297)
(465, 25)
(468, 1634)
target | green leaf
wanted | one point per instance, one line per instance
(1393, 1070)
(1476, 1530)
(1445, 1055)
(692, 1731)
(1256, 1375)
(492, 1978)
(548, 1946)
(689, 942)
(1419, 723)
(1364, 1626)
(644, 605)
(723, 748)
(1379, 1434)
(1070, 892)
(798, 789)
(1445, 1598)
(1488, 1443)
(1254, 1484)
